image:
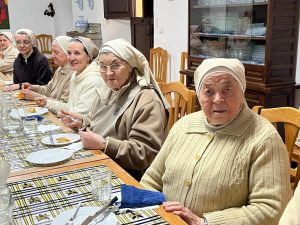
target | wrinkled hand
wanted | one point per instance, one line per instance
(178, 209)
(27, 86)
(41, 101)
(30, 95)
(12, 87)
(71, 119)
(91, 140)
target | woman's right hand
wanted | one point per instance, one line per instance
(41, 101)
(27, 86)
(71, 119)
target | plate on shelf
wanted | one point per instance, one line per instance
(61, 139)
(83, 213)
(49, 156)
(28, 111)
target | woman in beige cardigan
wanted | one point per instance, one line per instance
(8, 54)
(59, 86)
(291, 215)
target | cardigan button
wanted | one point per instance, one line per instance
(210, 136)
(197, 157)
(188, 182)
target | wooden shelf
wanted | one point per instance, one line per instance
(233, 36)
(229, 5)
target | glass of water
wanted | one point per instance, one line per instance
(30, 128)
(101, 183)
(5, 206)
(11, 119)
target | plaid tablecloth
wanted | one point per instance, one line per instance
(39, 200)
(15, 148)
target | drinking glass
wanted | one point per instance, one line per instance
(101, 183)
(11, 120)
(30, 129)
(5, 206)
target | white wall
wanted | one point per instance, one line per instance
(63, 12)
(171, 31)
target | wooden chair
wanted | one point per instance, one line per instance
(181, 99)
(158, 63)
(290, 117)
(183, 66)
(44, 44)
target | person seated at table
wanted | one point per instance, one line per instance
(129, 116)
(30, 66)
(8, 54)
(59, 86)
(224, 164)
(291, 215)
(84, 81)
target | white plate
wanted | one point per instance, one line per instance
(83, 213)
(71, 136)
(39, 111)
(49, 156)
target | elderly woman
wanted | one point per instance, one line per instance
(84, 81)
(30, 65)
(129, 116)
(59, 86)
(291, 215)
(224, 164)
(8, 54)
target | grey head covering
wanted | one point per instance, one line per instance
(8, 35)
(136, 59)
(232, 67)
(89, 45)
(63, 42)
(29, 33)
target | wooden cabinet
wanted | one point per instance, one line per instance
(126, 9)
(263, 34)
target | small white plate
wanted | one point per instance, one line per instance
(38, 111)
(49, 156)
(72, 137)
(83, 213)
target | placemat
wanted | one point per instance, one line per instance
(15, 148)
(39, 200)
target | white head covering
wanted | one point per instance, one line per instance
(136, 59)
(63, 42)
(8, 35)
(89, 45)
(232, 67)
(30, 34)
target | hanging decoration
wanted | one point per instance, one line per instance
(91, 4)
(79, 3)
(49, 11)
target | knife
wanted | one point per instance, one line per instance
(71, 220)
(101, 210)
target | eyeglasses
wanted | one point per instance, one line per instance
(23, 42)
(113, 67)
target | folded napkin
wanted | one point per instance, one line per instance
(46, 128)
(39, 118)
(133, 197)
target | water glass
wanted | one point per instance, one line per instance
(11, 119)
(101, 183)
(5, 206)
(30, 128)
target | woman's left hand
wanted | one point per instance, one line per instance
(91, 140)
(178, 209)
(12, 87)
(41, 101)
(30, 95)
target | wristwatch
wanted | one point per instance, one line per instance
(20, 86)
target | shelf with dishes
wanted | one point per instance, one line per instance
(230, 36)
(228, 5)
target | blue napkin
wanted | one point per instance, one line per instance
(133, 197)
(39, 118)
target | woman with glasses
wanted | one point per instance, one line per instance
(8, 54)
(84, 81)
(129, 115)
(59, 86)
(30, 66)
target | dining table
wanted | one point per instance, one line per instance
(42, 193)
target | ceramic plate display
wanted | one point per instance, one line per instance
(61, 139)
(28, 111)
(49, 156)
(83, 213)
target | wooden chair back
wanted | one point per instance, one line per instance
(44, 43)
(183, 65)
(290, 117)
(158, 63)
(181, 99)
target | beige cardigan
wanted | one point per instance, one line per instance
(6, 64)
